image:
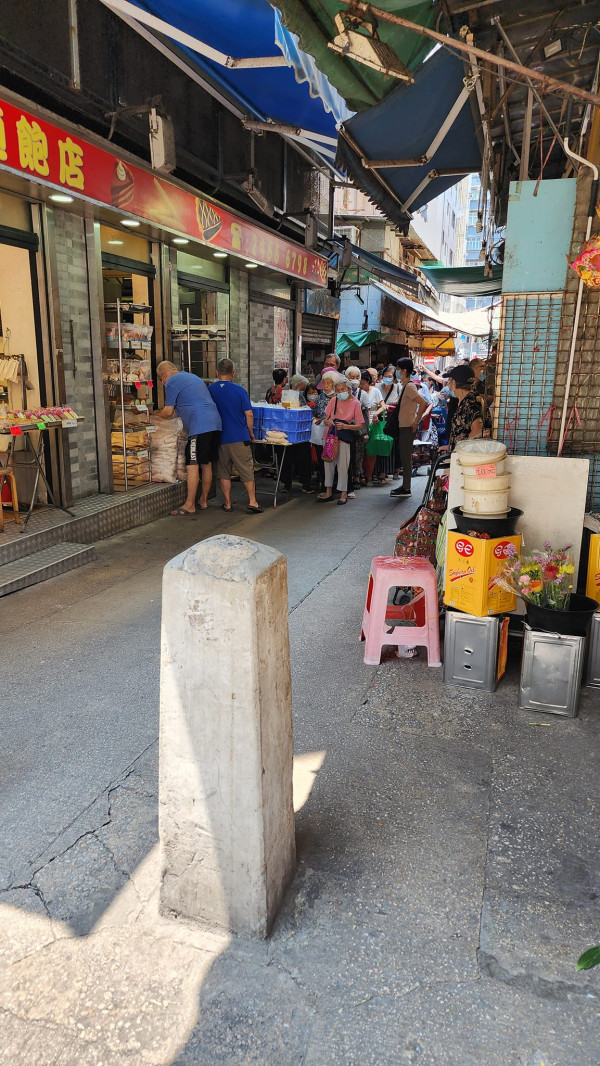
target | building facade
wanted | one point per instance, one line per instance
(96, 244)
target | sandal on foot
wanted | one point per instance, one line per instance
(179, 511)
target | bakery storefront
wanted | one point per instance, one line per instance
(114, 269)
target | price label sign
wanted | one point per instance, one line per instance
(16, 431)
(142, 407)
(488, 470)
(41, 425)
(138, 384)
(150, 429)
(69, 423)
(149, 382)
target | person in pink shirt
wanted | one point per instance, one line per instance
(345, 414)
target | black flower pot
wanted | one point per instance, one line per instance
(573, 622)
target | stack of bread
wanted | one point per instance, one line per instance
(276, 436)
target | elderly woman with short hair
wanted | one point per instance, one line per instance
(344, 413)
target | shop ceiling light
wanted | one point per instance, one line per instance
(114, 242)
(180, 240)
(129, 222)
(220, 255)
(61, 198)
(251, 266)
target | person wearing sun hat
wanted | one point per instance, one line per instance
(468, 419)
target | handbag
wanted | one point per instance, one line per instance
(379, 443)
(330, 447)
(346, 435)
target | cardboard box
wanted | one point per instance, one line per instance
(471, 566)
(592, 586)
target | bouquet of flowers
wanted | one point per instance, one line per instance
(544, 578)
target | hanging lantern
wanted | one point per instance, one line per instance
(587, 263)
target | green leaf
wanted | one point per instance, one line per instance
(590, 958)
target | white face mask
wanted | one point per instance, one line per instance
(343, 395)
(328, 392)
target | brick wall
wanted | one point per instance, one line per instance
(262, 346)
(71, 267)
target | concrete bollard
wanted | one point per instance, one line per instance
(226, 812)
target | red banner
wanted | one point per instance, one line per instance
(35, 148)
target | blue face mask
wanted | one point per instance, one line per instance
(343, 395)
(388, 381)
(452, 392)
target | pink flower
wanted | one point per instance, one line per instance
(524, 579)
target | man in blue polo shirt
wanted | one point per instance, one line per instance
(235, 409)
(187, 395)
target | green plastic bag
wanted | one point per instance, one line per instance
(378, 443)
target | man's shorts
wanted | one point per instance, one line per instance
(201, 449)
(238, 455)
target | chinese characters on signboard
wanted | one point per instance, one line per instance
(34, 147)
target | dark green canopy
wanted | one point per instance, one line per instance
(360, 86)
(464, 281)
(351, 342)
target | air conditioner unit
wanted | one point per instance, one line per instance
(351, 233)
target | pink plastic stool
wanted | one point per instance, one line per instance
(386, 573)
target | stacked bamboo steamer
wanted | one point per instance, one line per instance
(486, 486)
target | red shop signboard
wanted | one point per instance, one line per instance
(35, 148)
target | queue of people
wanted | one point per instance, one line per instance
(441, 409)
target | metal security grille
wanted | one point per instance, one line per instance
(318, 330)
(582, 432)
(529, 335)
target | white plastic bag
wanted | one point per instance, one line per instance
(163, 448)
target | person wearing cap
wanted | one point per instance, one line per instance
(468, 419)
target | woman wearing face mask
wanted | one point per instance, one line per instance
(357, 447)
(469, 418)
(324, 395)
(345, 413)
(372, 403)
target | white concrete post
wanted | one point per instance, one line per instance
(226, 813)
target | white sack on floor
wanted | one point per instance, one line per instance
(163, 448)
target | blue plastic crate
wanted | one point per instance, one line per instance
(298, 436)
(287, 418)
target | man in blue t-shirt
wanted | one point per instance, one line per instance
(187, 396)
(235, 409)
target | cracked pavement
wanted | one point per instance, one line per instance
(448, 860)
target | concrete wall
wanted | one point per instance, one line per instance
(353, 311)
(262, 345)
(538, 235)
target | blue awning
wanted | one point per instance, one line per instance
(294, 93)
(426, 130)
(378, 266)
